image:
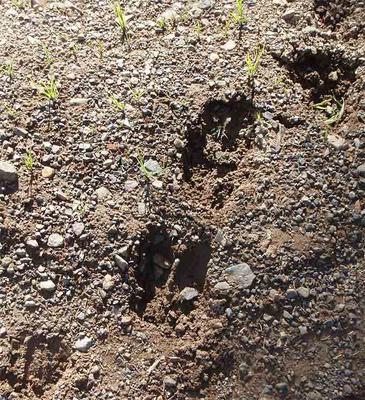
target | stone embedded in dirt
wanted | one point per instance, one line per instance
(129, 186)
(78, 228)
(102, 193)
(8, 172)
(78, 101)
(33, 244)
(361, 169)
(55, 240)
(291, 294)
(121, 262)
(47, 286)
(126, 320)
(169, 382)
(48, 172)
(20, 131)
(290, 16)
(153, 166)
(38, 3)
(108, 282)
(303, 292)
(188, 294)
(230, 45)
(222, 286)
(214, 57)
(157, 184)
(84, 344)
(240, 275)
(337, 142)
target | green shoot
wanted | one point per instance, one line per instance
(19, 4)
(337, 114)
(120, 18)
(198, 28)
(146, 172)
(137, 94)
(48, 58)
(29, 161)
(101, 50)
(323, 105)
(238, 16)
(11, 111)
(161, 24)
(253, 60)
(48, 90)
(117, 104)
(8, 69)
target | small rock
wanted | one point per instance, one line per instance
(55, 240)
(161, 261)
(33, 244)
(153, 166)
(303, 292)
(8, 172)
(102, 193)
(48, 172)
(214, 57)
(241, 275)
(360, 170)
(337, 142)
(130, 185)
(83, 344)
(47, 286)
(188, 294)
(290, 16)
(291, 294)
(20, 131)
(78, 101)
(121, 262)
(222, 287)
(230, 45)
(169, 382)
(78, 228)
(108, 282)
(126, 320)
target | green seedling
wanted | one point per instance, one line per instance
(335, 112)
(11, 111)
(198, 28)
(48, 58)
(29, 161)
(8, 69)
(48, 90)
(20, 4)
(252, 61)
(238, 16)
(146, 172)
(162, 24)
(117, 104)
(121, 19)
(101, 50)
(137, 94)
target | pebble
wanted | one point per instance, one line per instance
(303, 292)
(188, 294)
(84, 344)
(48, 172)
(108, 282)
(102, 193)
(230, 45)
(8, 172)
(361, 170)
(47, 286)
(55, 240)
(337, 142)
(33, 244)
(78, 228)
(121, 262)
(241, 275)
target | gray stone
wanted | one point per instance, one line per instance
(55, 240)
(121, 262)
(230, 45)
(33, 244)
(188, 294)
(303, 292)
(240, 275)
(8, 172)
(361, 169)
(130, 185)
(47, 286)
(169, 382)
(291, 294)
(222, 287)
(102, 193)
(337, 142)
(83, 344)
(108, 282)
(290, 16)
(153, 166)
(78, 101)
(78, 228)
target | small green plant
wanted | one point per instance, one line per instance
(198, 28)
(146, 172)
(20, 4)
(117, 104)
(101, 50)
(161, 24)
(120, 18)
(252, 61)
(8, 69)
(219, 133)
(238, 16)
(74, 50)
(333, 108)
(29, 161)
(137, 94)
(49, 89)
(10, 110)
(48, 57)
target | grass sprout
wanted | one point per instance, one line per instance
(333, 108)
(161, 23)
(29, 161)
(49, 90)
(146, 171)
(137, 94)
(120, 18)
(8, 69)
(117, 104)
(253, 59)
(238, 16)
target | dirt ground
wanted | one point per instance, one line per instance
(182, 200)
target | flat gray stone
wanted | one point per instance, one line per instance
(83, 344)
(121, 262)
(188, 294)
(47, 286)
(102, 193)
(8, 172)
(361, 169)
(78, 228)
(55, 240)
(241, 275)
